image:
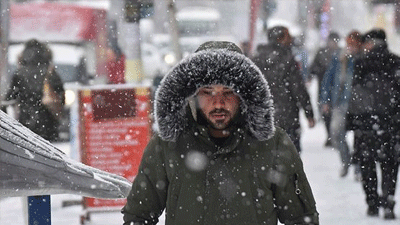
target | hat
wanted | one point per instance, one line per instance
(36, 53)
(375, 34)
(334, 36)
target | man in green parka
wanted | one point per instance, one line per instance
(217, 157)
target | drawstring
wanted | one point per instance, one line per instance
(296, 183)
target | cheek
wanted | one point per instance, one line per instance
(233, 104)
(202, 104)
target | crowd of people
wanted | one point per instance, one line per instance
(227, 149)
(358, 91)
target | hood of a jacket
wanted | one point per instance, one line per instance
(210, 65)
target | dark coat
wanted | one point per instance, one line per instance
(27, 89)
(374, 104)
(287, 87)
(256, 178)
(375, 92)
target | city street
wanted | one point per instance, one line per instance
(85, 54)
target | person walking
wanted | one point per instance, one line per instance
(288, 89)
(38, 90)
(217, 157)
(115, 66)
(374, 92)
(318, 68)
(335, 95)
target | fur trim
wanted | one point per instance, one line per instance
(216, 66)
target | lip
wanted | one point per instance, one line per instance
(219, 115)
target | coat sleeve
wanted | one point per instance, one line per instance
(327, 83)
(317, 67)
(57, 84)
(147, 198)
(13, 90)
(293, 198)
(298, 88)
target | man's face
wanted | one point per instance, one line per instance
(352, 46)
(219, 105)
(368, 45)
(333, 43)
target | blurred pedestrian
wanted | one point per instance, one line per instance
(38, 90)
(318, 68)
(288, 89)
(115, 66)
(373, 105)
(217, 157)
(336, 90)
(245, 46)
(301, 56)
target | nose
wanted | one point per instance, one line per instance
(219, 100)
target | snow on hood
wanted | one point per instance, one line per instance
(214, 66)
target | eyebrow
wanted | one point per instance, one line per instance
(224, 88)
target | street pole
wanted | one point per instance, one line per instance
(254, 7)
(4, 33)
(39, 210)
(133, 63)
(174, 31)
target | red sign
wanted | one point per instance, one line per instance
(115, 129)
(62, 23)
(54, 22)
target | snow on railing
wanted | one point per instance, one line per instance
(32, 166)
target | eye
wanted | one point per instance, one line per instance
(229, 94)
(205, 92)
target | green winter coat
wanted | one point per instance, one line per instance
(249, 182)
(255, 178)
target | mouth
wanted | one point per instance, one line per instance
(219, 116)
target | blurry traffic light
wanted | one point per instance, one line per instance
(132, 11)
(146, 8)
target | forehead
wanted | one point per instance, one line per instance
(216, 87)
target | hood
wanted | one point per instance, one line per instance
(35, 53)
(214, 66)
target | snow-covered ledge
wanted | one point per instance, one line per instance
(31, 165)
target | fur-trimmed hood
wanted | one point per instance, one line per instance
(214, 65)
